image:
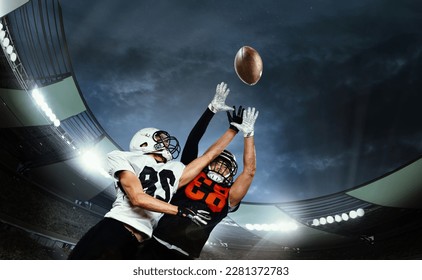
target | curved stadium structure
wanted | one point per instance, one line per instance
(50, 196)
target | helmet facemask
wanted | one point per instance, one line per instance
(167, 145)
(154, 141)
(223, 169)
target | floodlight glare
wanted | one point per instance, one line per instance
(265, 227)
(338, 218)
(360, 212)
(44, 107)
(322, 221)
(353, 214)
(290, 226)
(92, 161)
(47, 111)
(52, 117)
(345, 217)
(2, 35)
(315, 222)
(39, 99)
(275, 227)
(9, 49)
(56, 123)
(13, 57)
(249, 226)
(258, 227)
(330, 219)
(6, 42)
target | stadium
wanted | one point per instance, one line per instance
(52, 193)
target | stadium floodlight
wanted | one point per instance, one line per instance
(289, 226)
(40, 101)
(91, 160)
(274, 227)
(13, 57)
(2, 35)
(265, 227)
(6, 42)
(283, 227)
(353, 214)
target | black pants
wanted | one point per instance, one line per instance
(107, 240)
(154, 250)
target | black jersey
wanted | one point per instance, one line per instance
(201, 193)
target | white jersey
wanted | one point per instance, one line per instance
(159, 180)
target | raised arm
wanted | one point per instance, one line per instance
(242, 183)
(190, 151)
(196, 166)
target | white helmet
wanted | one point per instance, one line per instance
(152, 140)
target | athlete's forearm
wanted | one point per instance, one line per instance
(218, 147)
(241, 186)
(249, 157)
(134, 191)
(190, 151)
(196, 166)
(150, 203)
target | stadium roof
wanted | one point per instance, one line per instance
(62, 149)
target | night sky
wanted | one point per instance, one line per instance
(339, 99)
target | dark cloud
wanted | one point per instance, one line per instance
(338, 98)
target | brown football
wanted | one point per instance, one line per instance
(248, 65)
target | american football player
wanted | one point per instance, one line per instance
(214, 190)
(146, 179)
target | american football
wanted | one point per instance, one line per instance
(248, 65)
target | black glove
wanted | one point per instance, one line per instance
(237, 118)
(198, 216)
(248, 122)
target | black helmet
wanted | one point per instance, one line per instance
(223, 168)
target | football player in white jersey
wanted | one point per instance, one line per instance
(146, 179)
(215, 190)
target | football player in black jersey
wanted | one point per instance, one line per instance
(214, 189)
(146, 177)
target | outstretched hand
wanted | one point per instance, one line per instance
(235, 117)
(218, 103)
(249, 118)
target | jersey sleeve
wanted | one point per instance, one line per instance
(117, 161)
(178, 171)
(190, 151)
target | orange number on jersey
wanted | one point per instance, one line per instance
(202, 188)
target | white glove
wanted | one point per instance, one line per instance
(219, 101)
(247, 125)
